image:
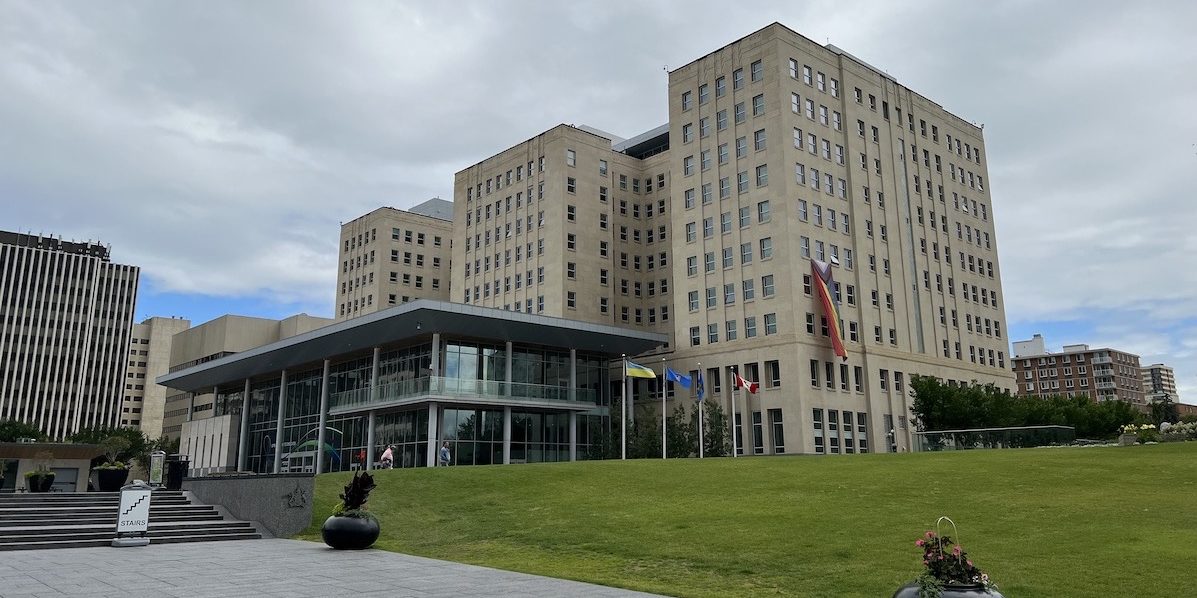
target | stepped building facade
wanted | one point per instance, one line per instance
(778, 151)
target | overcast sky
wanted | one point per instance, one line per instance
(219, 145)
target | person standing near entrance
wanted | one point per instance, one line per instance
(388, 457)
(445, 457)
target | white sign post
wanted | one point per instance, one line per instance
(133, 519)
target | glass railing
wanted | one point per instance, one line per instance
(1101, 359)
(454, 387)
(1106, 385)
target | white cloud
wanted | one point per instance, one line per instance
(219, 146)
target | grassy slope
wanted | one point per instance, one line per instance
(1041, 522)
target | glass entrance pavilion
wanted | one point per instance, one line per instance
(498, 386)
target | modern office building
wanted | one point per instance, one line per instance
(392, 256)
(1102, 374)
(1159, 381)
(499, 386)
(149, 357)
(66, 312)
(213, 340)
(779, 151)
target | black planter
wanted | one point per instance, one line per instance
(911, 590)
(39, 483)
(111, 480)
(349, 533)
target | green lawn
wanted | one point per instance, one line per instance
(1114, 521)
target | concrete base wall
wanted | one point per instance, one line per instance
(281, 504)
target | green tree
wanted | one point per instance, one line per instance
(12, 430)
(681, 435)
(715, 435)
(136, 449)
(1164, 410)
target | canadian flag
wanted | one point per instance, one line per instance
(751, 387)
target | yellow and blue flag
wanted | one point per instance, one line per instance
(637, 371)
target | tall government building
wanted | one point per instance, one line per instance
(392, 256)
(66, 312)
(778, 151)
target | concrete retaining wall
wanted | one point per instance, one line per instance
(282, 504)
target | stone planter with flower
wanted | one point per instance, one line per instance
(948, 571)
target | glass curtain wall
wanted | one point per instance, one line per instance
(301, 421)
(408, 431)
(228, 402)
(467, 364)
(263, 415)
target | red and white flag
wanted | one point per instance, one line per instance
(751, 387)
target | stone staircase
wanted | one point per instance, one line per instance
(76, 520)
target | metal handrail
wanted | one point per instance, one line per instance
(440, 385)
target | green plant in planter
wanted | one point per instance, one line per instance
(351, 526)
(41, 478)
(112, 474)
(947, 571)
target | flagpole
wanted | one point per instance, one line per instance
(623, 417)
(735, 387)
(663, 381)
(701, 423)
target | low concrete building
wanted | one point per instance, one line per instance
(71, 464)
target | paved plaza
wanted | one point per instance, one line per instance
(280, 568)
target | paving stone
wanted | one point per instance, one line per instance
(266, 568)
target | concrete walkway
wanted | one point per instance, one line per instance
(282, 568)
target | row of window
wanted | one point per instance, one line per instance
(764, 246)
(750, 330)
(968, 151)
(854, 438)
(747, 288)
(407, 236)
(497, 181)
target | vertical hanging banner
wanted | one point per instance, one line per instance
(821, 277)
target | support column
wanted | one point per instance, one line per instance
(242, 458)
(506, 435)
(323, 419)
(573, 374)
(278, 431)
(433, 431)
(507, 388)
(573, 396)
(435, 366)
(370, 440)
(374, 374)
(573, 435)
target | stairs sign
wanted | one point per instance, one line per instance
(133, 519)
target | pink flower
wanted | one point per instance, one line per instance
(970, 563)
(926, 562)
(918, 543)
(956, 550)
(930, 534)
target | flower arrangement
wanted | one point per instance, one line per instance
(947, 564)
(1179, 432)
(1143, 432)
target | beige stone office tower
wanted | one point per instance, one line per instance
(1159, 380)
(784, 150)
(210, 341)
(778, 150)
(572, 223)
(149, 357)
(392, 256)
(65, 315)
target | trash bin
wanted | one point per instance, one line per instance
(176, 470)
